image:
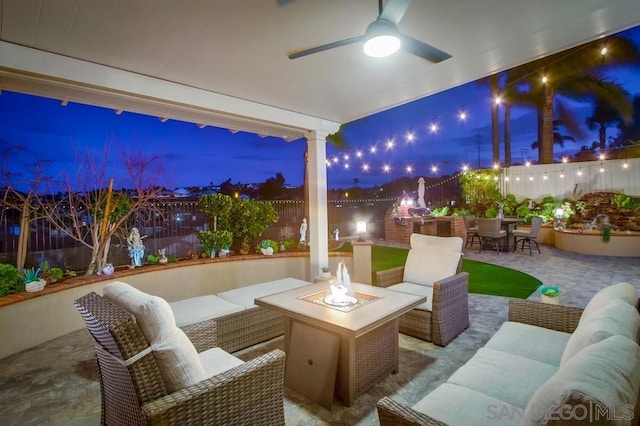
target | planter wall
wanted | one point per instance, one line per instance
(590, 242)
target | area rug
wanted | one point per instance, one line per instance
(484, 278)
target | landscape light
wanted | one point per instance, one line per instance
(361, 229)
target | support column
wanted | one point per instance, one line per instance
(362, 262)
(318, 222)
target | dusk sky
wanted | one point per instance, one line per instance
(192, 156)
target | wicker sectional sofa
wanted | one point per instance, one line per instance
(548, 364)
(240, 323)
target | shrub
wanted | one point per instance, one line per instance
(9, 278)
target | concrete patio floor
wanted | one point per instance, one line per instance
(56, 383)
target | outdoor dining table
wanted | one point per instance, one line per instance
(509, 224)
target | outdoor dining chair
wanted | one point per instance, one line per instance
(490, 231)
(524, 237)
(472, 230)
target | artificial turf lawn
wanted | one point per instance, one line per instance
(484, 278)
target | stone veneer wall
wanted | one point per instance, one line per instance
(400, 231)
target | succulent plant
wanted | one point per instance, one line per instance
(31, 275)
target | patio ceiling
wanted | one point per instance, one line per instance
(224, 63)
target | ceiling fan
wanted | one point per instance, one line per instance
(382, 37)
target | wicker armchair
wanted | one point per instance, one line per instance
(133, 391)
(449, 314)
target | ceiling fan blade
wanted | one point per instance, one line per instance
(324, 47)
(423, 50)
(394, 10)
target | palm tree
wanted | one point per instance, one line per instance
(602, 117)
(494, 87)
(574, 74)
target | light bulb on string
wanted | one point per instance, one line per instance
(358, 153)
(579, 171)
(531, 177)
(386, 168)
(335, 159)
(527, 163)
(409, 169)
(410, 137)
(544, 79)
(625, 165)
(601, 168)
(518, 178)
(373, 149)
(565, 160)
(497, 100)
(434, 169)
(545, 176)
(604, 51)
(346, 157)
(462, 115)
(562, 174)
(433, 127)
(390, 144)
(365, 167)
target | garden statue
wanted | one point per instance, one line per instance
(500, 210)
(421, 203)
(163, 256)
(303, 232)
(336, 234)
(135, 247)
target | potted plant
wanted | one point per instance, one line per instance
(8, 279)
(266, 247)
(549, 294)
(50, 275)
(326, 272)
(32, 280)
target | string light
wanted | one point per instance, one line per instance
(625, 165)
(373, 149)
(409, 169)
(579, 171)
(496, 166)
(562, 174)
(346, 157)
(497, 100)
(527, 163)
(433, 127)
(462, 116)
(518, 178)
(465, 167)
(359, 154)
(565, 159)
(545, 177)
(544, 79)
(390, 144)
(601, 157)
(365, 167)
(346, 166)
(386, 168)
(531, 177)
(603, 51)
(434, 169)
(410, 137)
(601, 168)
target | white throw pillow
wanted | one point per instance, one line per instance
(153, 314)
(425, 266)
(616, 317)
(420, 241)
(177, 358)
(178, 361)
(604, 376)
(621, 291)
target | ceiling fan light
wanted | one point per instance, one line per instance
(381, 46)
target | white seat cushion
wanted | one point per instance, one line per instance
(245, 296)
(202, 308)
(457, 405)
(178, 362)
(616, 317)
(606, 373)
(176, 356)
(450, 244)
(216, 360)
(621, 291)
(417, 289)
(153, 314)
(537, 343)
(425, 266)
(509, 378)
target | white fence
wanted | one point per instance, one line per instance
(563, 180)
